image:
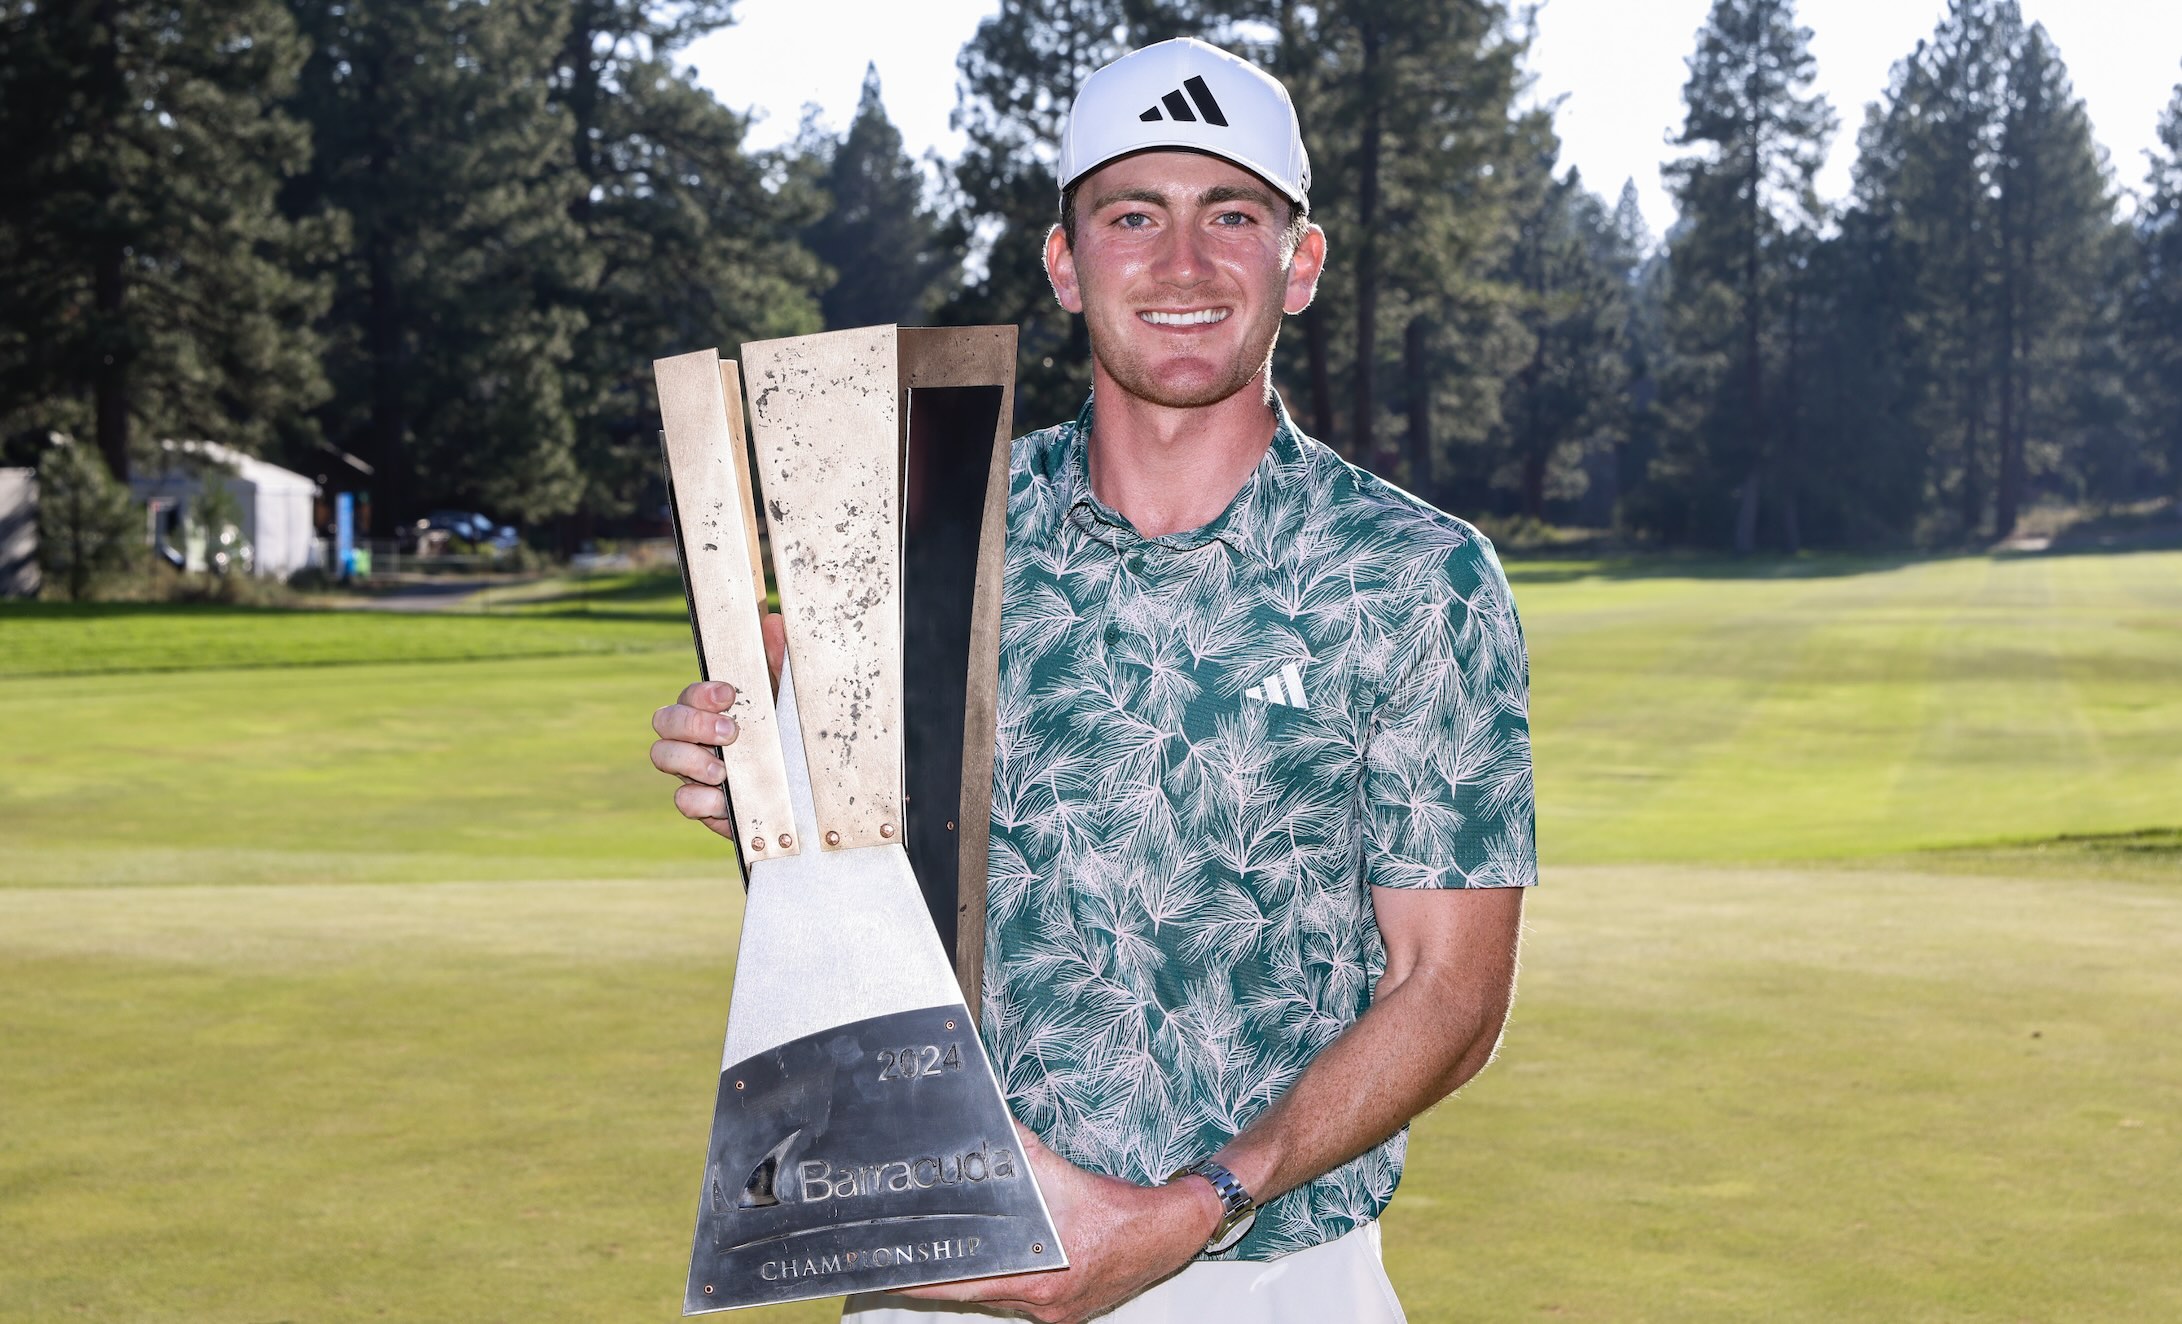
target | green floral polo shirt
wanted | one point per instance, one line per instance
(1211, 746)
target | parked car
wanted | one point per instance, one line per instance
(459, 530)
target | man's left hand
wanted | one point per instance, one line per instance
(1120, 1238)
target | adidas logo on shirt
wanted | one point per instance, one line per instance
(1284, 688)
(1178, 106)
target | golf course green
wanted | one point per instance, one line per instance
(353, 966)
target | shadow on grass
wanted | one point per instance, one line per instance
(1555, 568)
(1546, 568)
(2152, 855)
(103, 611)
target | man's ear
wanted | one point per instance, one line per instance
(1304, 269)
(1061, 270)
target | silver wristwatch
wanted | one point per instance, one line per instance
(1238, 1210)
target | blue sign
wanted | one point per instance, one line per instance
(344, 534)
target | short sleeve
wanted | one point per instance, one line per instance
(1447, 776)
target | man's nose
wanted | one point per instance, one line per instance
(1182, 258)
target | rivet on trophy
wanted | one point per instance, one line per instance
(786, 841)
(757, 843)
(886, 829)
(833, 838)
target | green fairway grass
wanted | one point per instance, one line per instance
(1725, 1095)
(79, 639)
(354, 966)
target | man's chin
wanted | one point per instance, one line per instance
(1182, 386)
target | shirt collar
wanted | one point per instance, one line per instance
(1069, 468)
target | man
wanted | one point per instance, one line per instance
(1262, 793)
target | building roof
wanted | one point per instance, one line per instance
(249, 468)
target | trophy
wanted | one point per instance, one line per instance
(859, 1138)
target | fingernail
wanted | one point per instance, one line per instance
(714, 772)
(724, 728)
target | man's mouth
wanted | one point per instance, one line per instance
(1201, 317)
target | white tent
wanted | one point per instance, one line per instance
(276, 503)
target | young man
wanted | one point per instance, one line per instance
(1262, 796)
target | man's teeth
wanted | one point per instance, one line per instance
(1186, 319)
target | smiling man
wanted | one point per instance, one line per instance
(1262, 792)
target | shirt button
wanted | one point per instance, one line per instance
(1113, 635)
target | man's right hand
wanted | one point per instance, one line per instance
(691, 731)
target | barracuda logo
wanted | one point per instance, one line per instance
(821, 1180)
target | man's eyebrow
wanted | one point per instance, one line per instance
(1220, 193)
(1153, 196)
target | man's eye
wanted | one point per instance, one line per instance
(1134, 220)
(1234, 218)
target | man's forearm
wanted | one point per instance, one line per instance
(1434, 1022)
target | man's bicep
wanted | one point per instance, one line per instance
(1462, 939)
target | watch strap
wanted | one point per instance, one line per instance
(1238, 1210)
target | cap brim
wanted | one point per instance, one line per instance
(1232, 158)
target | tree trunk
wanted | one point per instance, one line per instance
(1362, 436)
(583, 99)
(1298, 46)
(109, 339)
(1314, 350)
(1971, 510)
(1417, 384)
(1791, 436)
(110, 375)
(388, 424)
(1535, 447)
(1534, 484)
(2016, 330)
(1746, 515)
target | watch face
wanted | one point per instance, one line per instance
(1225, 1241)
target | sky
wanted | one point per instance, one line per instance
(1617, 64)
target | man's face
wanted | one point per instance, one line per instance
(1180, 270)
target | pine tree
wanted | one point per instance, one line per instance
(1019, 75)
(154, 288)
(454, 313)
(1949, 93)
(1569, 263)
(688, 243)
(2057, 235)
(88, 528)
(2155, 307)
(1980, 176)
(1758, 135)
(1407, 110)
(878, 234)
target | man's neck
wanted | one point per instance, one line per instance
(1168, 470)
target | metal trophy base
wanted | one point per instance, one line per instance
(859, 1141)
(834, 1117)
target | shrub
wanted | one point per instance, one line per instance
(89, 529)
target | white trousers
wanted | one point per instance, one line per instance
(1337, 1282)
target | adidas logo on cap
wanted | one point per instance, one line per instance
(1163, 97)
(1179, 108)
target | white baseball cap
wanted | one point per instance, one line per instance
(1189, 94)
